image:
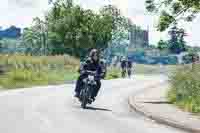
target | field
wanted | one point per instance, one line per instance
(185, 90)
(154, 69)
(20, 71)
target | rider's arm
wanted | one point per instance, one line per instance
(101, 74)
(84, 67)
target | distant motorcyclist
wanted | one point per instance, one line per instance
(129, 67)
(91, 64)
(104, 67)
(123, 66)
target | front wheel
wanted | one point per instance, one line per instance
(83, 104)
(84, 97)
(129, 73)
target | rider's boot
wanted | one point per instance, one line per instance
(93, 99)
(90, 101)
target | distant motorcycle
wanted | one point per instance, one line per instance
(129, 72)
(123, 72)
(88, 88)
(104, 68)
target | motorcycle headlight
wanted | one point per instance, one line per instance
(91, 77)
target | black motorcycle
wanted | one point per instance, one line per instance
(88, 88)
(129, 72)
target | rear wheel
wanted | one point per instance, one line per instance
(129, 73)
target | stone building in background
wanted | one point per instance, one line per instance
(138, 37)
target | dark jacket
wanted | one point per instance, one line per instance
(123, 64)
(103, 67)
(129, 64)
(90, 65)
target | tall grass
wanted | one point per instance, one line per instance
(24, 71)
(185, 90)
(113, 73)
(154, 69)
(21, 61)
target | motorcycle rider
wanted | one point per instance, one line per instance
(123, 65)
(129, 67)
(91, 64)
(103, 64)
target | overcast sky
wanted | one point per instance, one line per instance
(21, 13)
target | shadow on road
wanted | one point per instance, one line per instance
(159, 102)
(98, 109)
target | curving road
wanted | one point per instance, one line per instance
(53, 110)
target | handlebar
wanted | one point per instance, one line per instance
(90, 72)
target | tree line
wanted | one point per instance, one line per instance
(171, 13)
(68, 28)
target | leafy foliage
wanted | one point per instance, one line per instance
(26, 71)
(68, 28)
(162, 45)
(75, 28)
(113, 73)
(172, 11)
(176, 42)
(35, 38)
(189, 57)
(186, 89)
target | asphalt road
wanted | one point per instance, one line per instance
(54, 110)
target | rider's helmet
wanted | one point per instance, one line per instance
(123, 58)
(94, 54)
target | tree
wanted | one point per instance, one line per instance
(189, 58)
(181, 35)
(68, 28)
(163, 45)
(120, 24)
(120, 31)
(32, 40)
(29, 38)
(1, 45)
(176, 42)
(172, 11)
(78, 29)
(40, 28)
(35, 37)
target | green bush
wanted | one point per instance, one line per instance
(185, 90)
(172, 95)
(26, 71)
(20, 78)
(22, 61)
(113, 73)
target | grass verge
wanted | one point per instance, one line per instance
(185, 90)
(113, 73)
(27, 71)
